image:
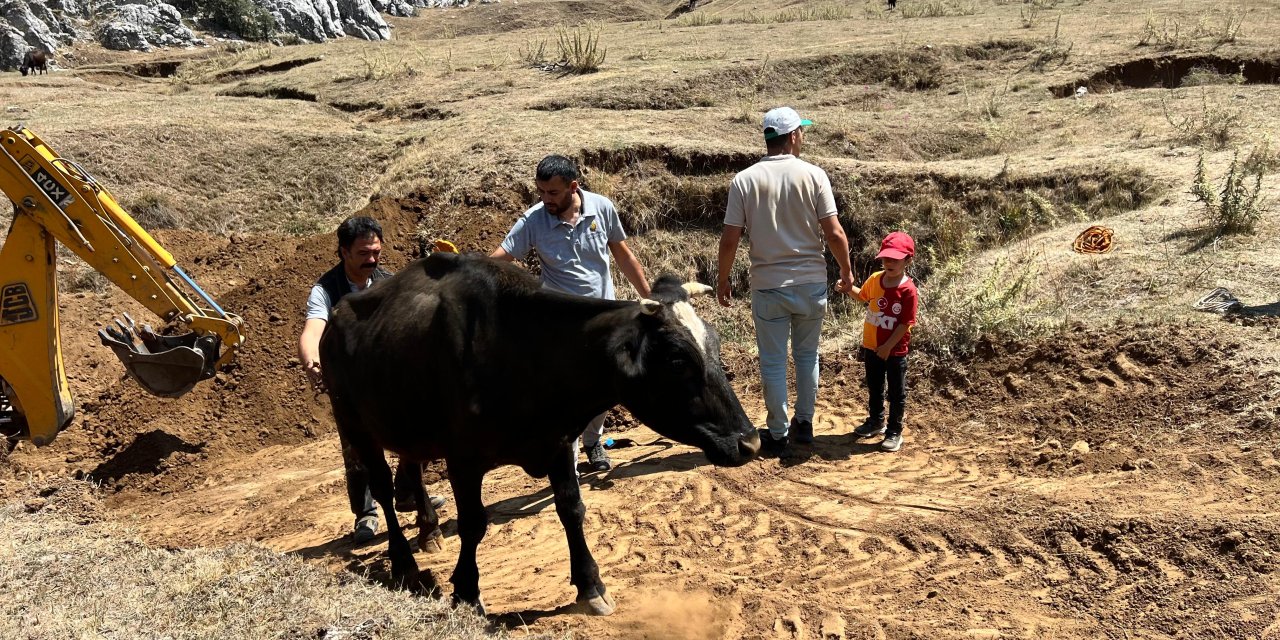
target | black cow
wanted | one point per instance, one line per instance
(467, 359)
(34, 60)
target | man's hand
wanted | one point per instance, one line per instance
(883, 351)
(846, 284)
(315, 376)
(729, 239)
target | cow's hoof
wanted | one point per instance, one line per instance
(432, 542)
(427, 586)
(599, 605)
(405, 576)
(477, 606)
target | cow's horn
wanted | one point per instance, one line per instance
(696, 288)
(650, 307)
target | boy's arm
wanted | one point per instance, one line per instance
(885, 349)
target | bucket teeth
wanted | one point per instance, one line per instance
(166, 366)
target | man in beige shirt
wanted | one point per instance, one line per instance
(787, 208)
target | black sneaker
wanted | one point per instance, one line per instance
(771, 445)
(869, 429)
(802, 430)
(598, 458)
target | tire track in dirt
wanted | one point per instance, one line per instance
(961, 530)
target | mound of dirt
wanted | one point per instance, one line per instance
(1073, 484)
(63, 498)
(122, 436)
(1113, 400)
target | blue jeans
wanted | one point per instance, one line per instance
(780, 314)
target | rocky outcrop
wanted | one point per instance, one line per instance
(401, 8)
(142, 27)
(320, 20)
(147, 24)
(12, 47)
(37, 23)
(361, 20)
(411, 7)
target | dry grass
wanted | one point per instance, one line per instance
(803, 13)
(961, 311)
(938, 8)
(926, 124)
(1263, 156)
(220, 165)
(1213, 125)
(1205, 76)
(64, 573)
(1221, 25)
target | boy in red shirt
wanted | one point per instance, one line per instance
(891, 314)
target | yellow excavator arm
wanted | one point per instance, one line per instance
(56, 199)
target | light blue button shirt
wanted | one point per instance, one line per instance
(575, 258)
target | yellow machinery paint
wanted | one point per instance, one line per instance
(55, 199)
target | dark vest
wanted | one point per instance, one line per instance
(336, 285)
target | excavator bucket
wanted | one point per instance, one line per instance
(166, 366)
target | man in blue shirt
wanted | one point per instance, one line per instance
(574, 232)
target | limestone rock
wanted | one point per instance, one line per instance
(144, 26)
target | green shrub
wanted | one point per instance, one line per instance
(959, 315)
(1232, 207)
(241, 16)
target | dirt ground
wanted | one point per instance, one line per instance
(1103, 483)
(1118, 478)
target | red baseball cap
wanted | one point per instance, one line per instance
(897, 245)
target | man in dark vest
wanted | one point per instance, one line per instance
(359, 247)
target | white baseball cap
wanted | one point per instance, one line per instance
(781, 121)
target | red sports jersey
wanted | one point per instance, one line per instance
(886, 309)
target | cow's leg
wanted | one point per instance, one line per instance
(430, 538)
(473, 521)
(404, 570)
(584, 573)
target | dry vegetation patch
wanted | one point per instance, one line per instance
(436, 133)
(910, 69)
(64, 573)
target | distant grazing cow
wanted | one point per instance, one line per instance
(34, 60)
(468, 359)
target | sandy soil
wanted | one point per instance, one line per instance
(1074, 488)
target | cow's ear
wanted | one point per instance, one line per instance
(650, 307)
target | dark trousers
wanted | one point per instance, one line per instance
(894, 370)
(357, 482)
(358, 494)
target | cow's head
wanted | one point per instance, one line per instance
(673, 380)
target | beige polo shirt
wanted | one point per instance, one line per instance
(779, 201)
